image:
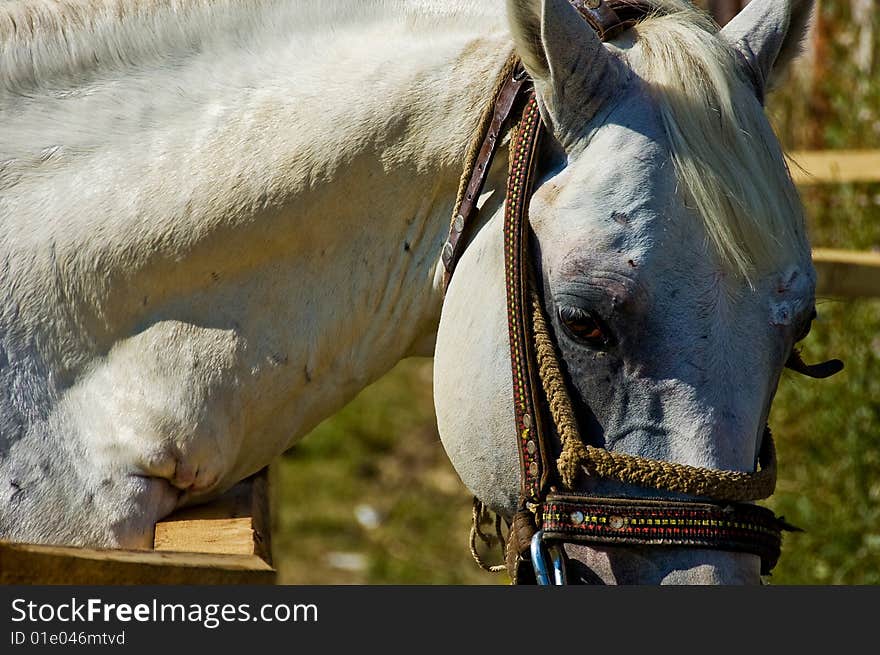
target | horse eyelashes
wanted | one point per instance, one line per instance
(584, 327)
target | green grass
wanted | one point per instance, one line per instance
(382, 451)
(829, 455)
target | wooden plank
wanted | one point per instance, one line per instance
(231, 536)
(237, 523)
(222, 542)
(847, 273)
(834, 166)
(36, 564)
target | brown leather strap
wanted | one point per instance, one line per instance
(532, 436)
(510, 92)
(526, 403)
(611, 17)
(519, 538)
(820, 370)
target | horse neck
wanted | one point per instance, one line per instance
(309, 176)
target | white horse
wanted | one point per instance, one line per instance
(219, 220)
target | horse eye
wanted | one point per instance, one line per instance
(583, 327)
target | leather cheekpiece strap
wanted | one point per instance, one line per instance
(510, 92)
(611, 17)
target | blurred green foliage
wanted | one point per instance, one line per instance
(828, 431)
(369, 496)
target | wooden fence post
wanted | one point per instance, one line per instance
(819, 102)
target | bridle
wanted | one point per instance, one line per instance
(549, 512)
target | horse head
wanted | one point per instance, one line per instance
(670, 253)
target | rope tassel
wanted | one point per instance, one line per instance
(481, 515)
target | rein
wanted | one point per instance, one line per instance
(549, 512)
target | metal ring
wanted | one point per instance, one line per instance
(540, 551)
(557, 557)
(539, 564)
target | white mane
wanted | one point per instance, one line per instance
(727, 159)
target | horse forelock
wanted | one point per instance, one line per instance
(728, 161)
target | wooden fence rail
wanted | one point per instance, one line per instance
(847, 273)
(841, 273)
(834, 166)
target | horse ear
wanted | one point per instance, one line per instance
(769, 35)
(572, 70)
